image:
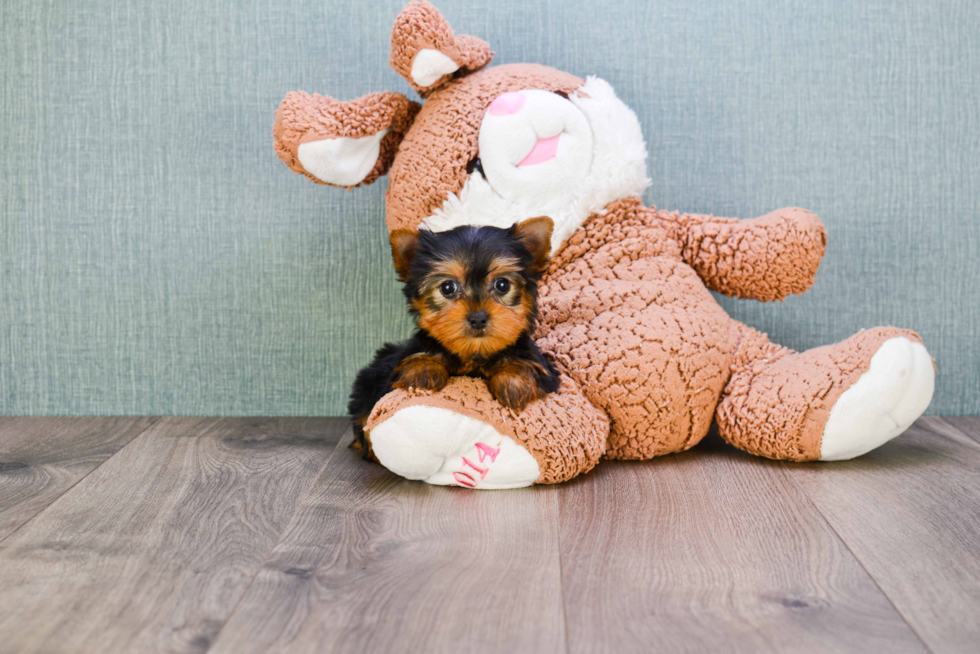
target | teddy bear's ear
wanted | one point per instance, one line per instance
(343, 144)
(425, 52)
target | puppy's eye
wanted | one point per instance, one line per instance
(448, 288)
(475, 164)
(501, 285)
(561, 93)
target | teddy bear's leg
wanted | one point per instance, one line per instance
(829, 403)
(461, 436)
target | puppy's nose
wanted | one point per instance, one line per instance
(478, 319)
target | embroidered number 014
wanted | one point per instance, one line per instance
(484, 452)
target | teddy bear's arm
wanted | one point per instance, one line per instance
(765, 258)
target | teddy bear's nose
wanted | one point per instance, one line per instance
(507, 104)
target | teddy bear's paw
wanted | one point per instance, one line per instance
(446, 448)
(882, 403)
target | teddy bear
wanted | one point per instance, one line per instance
(648, 358)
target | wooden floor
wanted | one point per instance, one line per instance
(268, 535)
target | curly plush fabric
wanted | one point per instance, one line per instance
(626, 314)
(420, 26)
(772, 410)
(764, 259)
(565, 434)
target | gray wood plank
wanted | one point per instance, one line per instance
(41, 458)
(152, 551)
(910, 512)
(375, 563)
(712, 550)
(969, 425)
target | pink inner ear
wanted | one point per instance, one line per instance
(507, 104)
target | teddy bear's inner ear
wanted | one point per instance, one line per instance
(341, 143)
(343, 161)
(429, 66)
(426, 53)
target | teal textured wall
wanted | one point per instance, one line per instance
(156, 257)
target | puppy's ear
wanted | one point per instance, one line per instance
(403, 243)
(535, 235)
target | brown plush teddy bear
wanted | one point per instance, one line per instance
(648, 358)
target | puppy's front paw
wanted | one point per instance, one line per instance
(422, 371)
(515, 387)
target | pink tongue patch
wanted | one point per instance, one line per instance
(542, 151)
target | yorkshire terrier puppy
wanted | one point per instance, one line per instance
(473, 293)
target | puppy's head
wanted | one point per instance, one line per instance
(473, 289)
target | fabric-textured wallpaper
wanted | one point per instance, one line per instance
(157, 258)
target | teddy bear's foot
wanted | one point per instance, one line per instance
(446, 448)
(829, 403)
(882, 403)
(461, 436)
